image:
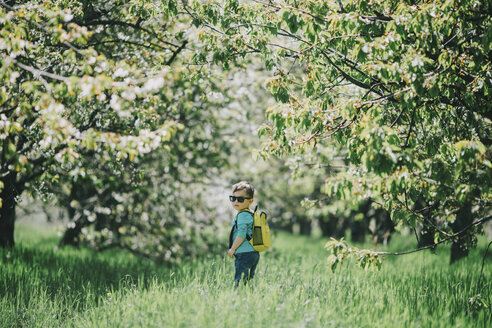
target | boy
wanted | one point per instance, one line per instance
(242, 228)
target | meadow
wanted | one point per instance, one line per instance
(42, 286)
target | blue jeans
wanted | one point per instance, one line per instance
(245, 265)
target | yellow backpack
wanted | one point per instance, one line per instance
(261, 239)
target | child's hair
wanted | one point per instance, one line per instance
(244, 185)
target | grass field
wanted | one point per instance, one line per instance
(41, 286)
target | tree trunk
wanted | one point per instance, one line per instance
(305, 227)
(459, 247)
(427, 238)
(458, 251)
(288, 227)
(11, 3)
(7, 210)
(384, 227)
(72, 235)
(7, 221)
(333, 226)
(426, 235)
(358, 230)
(74, 228)
(327, 226)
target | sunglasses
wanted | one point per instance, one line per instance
(239, 199)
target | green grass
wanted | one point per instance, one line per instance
(44, 287)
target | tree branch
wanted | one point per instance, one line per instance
(36, 72)
(176, 52)
(412, 123)
(115, 22)
(149, 46)
(397, 118)
(474, 224)
(483, 264)
(347, 76)
(8, 110)
(41, 27)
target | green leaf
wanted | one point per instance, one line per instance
(481, 147)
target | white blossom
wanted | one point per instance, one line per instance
(154, 84)
(68, 17)
(120, 72)
(59, 157)
(102, 210)
(102, 67)
(128, 95)
(101, 97)
(46, 142)
(417, 61)
(115, 103)
(14, 76)
(215, 96)
(85, 89)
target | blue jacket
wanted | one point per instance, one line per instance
(244, 227)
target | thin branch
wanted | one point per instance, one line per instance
(369, 91)
(423, 217)
(347, 76)
(315, 164)
(284, 32)
(341, 71)
(283, 47)
(344, 36)
(416, 235)
(185, 7)
(115, 22)
(291, 67)
(320, 18)
(313, 136)
(397, 118)
(338, 128)
(331, 85)
(66, 43)
(412, 123)
(483, 264)
(8, 110)
(175, 53)
(291, 8)
(382, 19)
(149, 46)
(474, 224)
(384, 97)
(36, 72)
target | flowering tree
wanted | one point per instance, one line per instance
(401, 88)
(100, 104)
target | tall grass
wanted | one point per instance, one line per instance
(44, 287)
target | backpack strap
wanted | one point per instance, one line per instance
(246, 210)
(248, 238)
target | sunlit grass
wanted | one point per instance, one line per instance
(44, 287)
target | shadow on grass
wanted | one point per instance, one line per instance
(69, 275)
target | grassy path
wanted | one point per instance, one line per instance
(41, 287)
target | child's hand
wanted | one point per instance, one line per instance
(231, 253)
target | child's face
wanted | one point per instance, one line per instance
(244, 205)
